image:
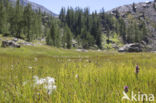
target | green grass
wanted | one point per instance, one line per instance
(92, 77)
(46, 51)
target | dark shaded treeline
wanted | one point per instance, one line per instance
(73, 25)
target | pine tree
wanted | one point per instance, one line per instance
(7, 10)
(16, 20)
(96, 30)
(28, 22)
(62, 16)
(87, 39)
(87, 19)
(37, 23)
(143, 30)
(54, 35)
(68, 34)
(136, 33)
(122, 29)
(2, 17)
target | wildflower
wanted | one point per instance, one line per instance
(35, 77)
(12, 67)
(137, 69)
(69, 60)
(24, 83)
(76, 76)
(30, 67)
(48, 82)
(35, 59)
(126, 89)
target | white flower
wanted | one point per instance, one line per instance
(69, 60)
(30, 67)
(48, 82)
(12, 67)
(35, 59)
(76, 76)
(50, 88)
(35, 77)
(24, 83)
(40, 81)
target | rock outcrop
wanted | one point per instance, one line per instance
(144, 11)
(10, 43)
(133, 47)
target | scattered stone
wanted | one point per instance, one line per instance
(153, 51)
(15, 40)
(26, 44)
(98, 50)
(81, 50)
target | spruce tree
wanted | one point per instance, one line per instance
(53, 38)
(68, 38)
(16, 20)
(28, 22)
(122, 28)
(2, 17)
(62, 16)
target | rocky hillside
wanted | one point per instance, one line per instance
(145, 11)
(34, 6)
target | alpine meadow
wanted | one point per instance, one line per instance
(81, 55)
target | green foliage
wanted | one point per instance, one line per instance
(62, 16)
(3, 18)
(114, 41)
(84, 27)
(54, 35)
(19, 21)
(136, 31)
(28, 22)
(87, 39)
(68, 38)
(16, 20)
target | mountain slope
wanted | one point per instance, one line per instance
(34, 6)
(145, 11)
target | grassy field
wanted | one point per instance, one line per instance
(80, 77)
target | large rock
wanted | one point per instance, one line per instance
(133, 47)
(144, 12)
(10, 43)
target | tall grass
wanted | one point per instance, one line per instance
(96, 79)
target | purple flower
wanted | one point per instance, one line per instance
(126, 89)
(137, 69)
